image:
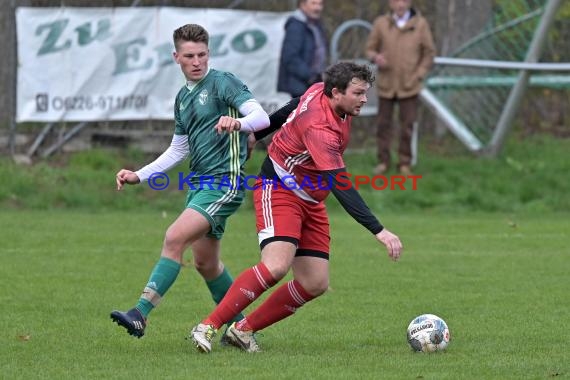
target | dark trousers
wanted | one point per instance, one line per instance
(408, 111)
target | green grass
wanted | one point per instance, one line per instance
(500, 280)
(531, 176)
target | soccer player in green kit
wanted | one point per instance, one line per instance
(209, 104)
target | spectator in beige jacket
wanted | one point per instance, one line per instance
(401, 45)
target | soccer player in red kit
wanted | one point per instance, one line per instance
(303, 165)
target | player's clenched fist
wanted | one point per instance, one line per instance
(227, 124)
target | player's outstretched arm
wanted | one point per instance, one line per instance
(175, 154)
(125, 176)
(352, 202)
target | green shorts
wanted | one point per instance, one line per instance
(216, 206)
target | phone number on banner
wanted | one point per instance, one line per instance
(45, 103)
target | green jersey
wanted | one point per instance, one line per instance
(197, 111)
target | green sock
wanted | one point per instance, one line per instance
(219, 287)
(162, 277)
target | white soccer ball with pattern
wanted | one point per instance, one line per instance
(428, 333)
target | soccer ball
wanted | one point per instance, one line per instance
(428, 333)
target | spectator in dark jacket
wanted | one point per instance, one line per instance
(304, 51)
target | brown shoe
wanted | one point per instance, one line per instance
(380, 169)
(405, 170)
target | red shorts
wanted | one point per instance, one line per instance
(282, 216)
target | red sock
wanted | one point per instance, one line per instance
(283, 302)
(246, 288)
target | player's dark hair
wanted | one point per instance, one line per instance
(190, 32)
(341, 74)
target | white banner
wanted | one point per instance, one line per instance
(90, 64)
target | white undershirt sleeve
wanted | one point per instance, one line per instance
(175, 154)
(255, 117)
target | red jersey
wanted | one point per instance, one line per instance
(312, 140)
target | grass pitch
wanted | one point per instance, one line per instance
(500, 282)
